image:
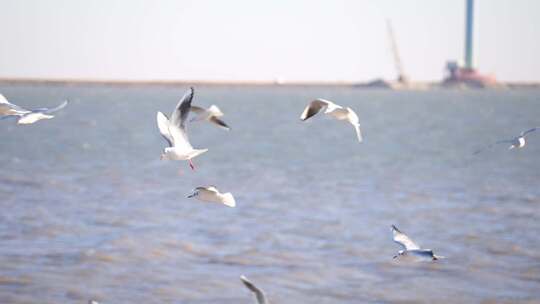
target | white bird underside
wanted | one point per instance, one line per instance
(174, 131)
(31, 118)
(174, 135)
(334, 110)
(212, 194)
(259, 294)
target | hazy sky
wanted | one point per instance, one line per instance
(262, 40)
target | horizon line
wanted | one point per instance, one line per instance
(276, 82)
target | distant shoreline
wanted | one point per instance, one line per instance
(176, 82)
(356, 84)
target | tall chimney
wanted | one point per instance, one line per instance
(469, 34)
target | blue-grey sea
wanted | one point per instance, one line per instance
(90, 212)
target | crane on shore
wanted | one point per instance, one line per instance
(402, 77)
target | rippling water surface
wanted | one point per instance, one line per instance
(89, 210)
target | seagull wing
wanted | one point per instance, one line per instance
(524, 133)
(403, 240)
(3, 99)
(163, 126)
(57, 108)
(177, 123)
(314, 107)
(261, 298)
(181, 111)
(353, 119)
(220, 123)
(7, 108)
(358, 132)
(211, 188)
(506, 141)
(174, 136)
(179, 138)
(197, 110)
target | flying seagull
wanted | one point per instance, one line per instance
(25, 116)
(334, 110)
(211, 114)
(174, 132)
(516, 142)
(410, 248)
(261, 298)
(212, 194)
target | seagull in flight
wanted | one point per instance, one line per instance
(25, 116)
(410, 248)
(261, 298)
(334, 110)
(516, 142)
(211, 114)
(212, 194)
(174, 132)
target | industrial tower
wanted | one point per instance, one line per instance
(467, 74)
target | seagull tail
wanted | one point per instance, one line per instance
(228, 200)
(197, 152)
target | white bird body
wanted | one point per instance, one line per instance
(211, 114)
(518, 143)
(26, 117)
(336, 111)
(410, 248)
(32, 117)
(212, 194)
(174, 132)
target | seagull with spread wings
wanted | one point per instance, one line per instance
(26, 116)
(410, 248)
(174, 132)
(336, 111)
(516, 142)
(211, 114)
(259, 294)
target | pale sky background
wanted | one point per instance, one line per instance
(262, 40)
